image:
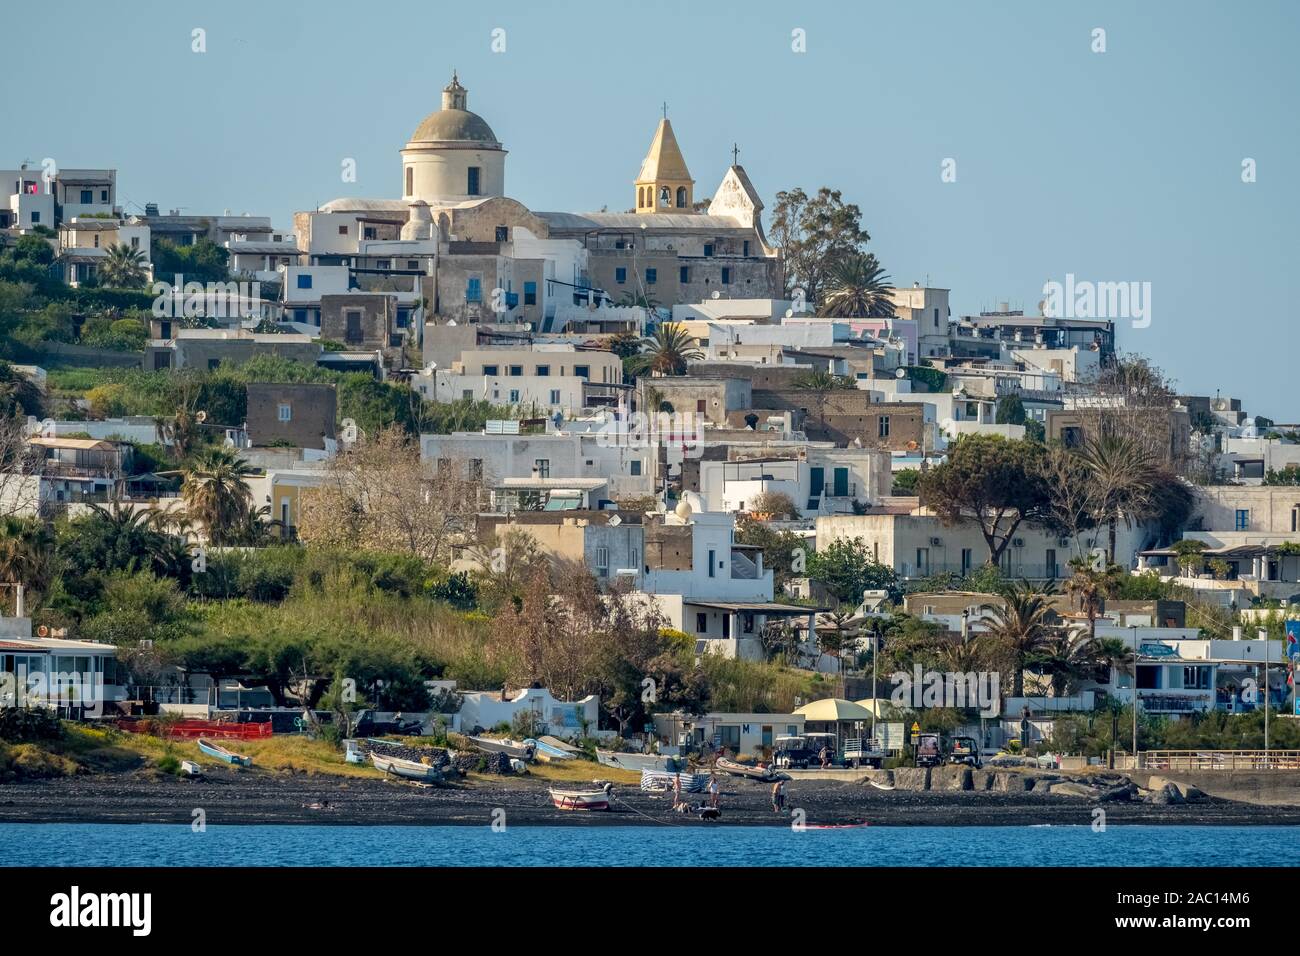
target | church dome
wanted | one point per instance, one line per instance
(454, 123)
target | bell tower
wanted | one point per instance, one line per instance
(664, 183)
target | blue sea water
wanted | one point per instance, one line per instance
(41, 844)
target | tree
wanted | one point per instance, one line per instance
(991, 480)
(26, 553)
(19, 395)
(123, 268)
(1070, 500)
(216, 495)
(776, 504)
(905, 481)
(1011, 411)
(856, 286)
(847, 567)
(1020, 626)
(379, 495)
(668, 352)
(1090, 586)
(813, 233)
(1121, 472)
(203, 261)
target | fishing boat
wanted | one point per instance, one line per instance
(765, 774)
(406, 769)
(581, 799)
(638, 762)
(190, 769)
(511, 748)
(224, 755)
(559, 744)
(547, 753)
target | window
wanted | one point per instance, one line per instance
(343, 230)
(304, 280)
(745, 250)
(684, 275)
(471, 186)
(284, 512)
(701, 405)
(530, 293)
(712, 561)
(286, 412)
(701, 623)
(503, 234)
(634, 467)
(87, 197)
(923, 561)
(708, 248)
(542, 371)
(966, 562)
(602, 561)
(543, 467)
(476, 469)
(412, 264)
(516, 370)
(1050, 570)
(1243, 519)
(474, 289)
(514, 396)
(36, 217)
(582, 371)
(369, 232)
(651, 276)
(681, 197)
(620, 275)
(555, 396)
(882, 426)
(103, 195)
(213, 364)
(726, 275)
(403, 318)
(490, 370)
(410, 180)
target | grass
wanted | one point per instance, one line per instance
(581, 771)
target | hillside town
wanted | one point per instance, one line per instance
(693, 488)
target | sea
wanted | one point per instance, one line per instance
(157, 845)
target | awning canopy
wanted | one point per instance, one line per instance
(833, 710)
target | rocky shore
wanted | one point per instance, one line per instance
(947, 797)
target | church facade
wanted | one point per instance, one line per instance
(475, 255)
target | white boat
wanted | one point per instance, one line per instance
(581, 799)
(638, 762)
(503, 745)
(547, 753)
(406, 769)
(190, 769)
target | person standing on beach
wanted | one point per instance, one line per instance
(677, 790)
(778, 796)
(713, 791)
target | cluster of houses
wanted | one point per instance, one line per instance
(458, 291)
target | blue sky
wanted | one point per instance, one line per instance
(1115, 166)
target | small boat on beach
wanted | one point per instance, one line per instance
(547, 753)
(639, 762)
(503, 745)
(190, 769)
(581, 799)
(224, 755)
(406, 769)
(765, 774)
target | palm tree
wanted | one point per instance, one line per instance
(836, 635)
(1020, 626)
(26, 548)
(1064, 657)
(821, 384)
(1091, 587)
(124, 267)
(856, 286)
(667, 352)
(215, 492)
(1122, 473)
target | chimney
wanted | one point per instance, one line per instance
(1236, 632)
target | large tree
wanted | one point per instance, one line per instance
(1021, 626)
(993, 481)
(813, 233)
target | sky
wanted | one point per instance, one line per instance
(1122, 165)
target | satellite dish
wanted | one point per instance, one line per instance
(451, 321)
(201, 417)
(789, 313)
(900, 372)
(683, 510)
(1220, 405)
(43, 631)
(716, 294)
